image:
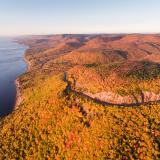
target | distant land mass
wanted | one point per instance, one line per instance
(86, 96)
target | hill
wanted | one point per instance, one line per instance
(62, 114)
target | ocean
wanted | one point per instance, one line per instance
(12, 65)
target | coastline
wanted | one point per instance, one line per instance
(19, 97)
(18, 94)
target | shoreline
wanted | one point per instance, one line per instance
(19, 97)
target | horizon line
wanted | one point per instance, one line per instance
(79, 33)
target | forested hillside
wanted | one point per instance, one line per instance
(54, 122)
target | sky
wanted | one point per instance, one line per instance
(23, 17)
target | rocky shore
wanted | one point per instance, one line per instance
(18, 93)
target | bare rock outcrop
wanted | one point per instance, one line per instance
(114, 98)
(150, 96)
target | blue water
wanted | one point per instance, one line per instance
(12, 65)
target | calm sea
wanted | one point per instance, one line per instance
(12, 65)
